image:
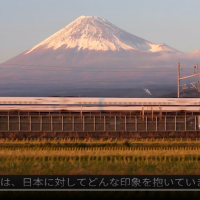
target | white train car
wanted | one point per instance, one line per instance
(96, 103)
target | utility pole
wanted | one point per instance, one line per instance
(198, 67)
(178, 78)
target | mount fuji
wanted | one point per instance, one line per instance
(91, 52)
(95, 33)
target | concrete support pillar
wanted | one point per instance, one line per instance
(115, 123)
(125, 123)
(8, 123)
(30, 122)
(72, 123)
(185, 122)
(83, 123)
(175, 123)
(51, 124)
(94, 124)
(135, 123)
(160, 113)
(62, 124)
(104, 122)
(19, 122)
(156, 124)
(146, 124)
(40, 123)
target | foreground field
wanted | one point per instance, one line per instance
(84, 158)
(100, 158)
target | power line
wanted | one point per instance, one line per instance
(92, 70)
(84, 80)
(79, 68)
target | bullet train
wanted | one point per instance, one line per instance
(99, 103)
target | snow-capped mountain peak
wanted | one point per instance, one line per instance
(95, 33)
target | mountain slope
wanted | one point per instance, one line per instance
(94, 33)
(93, 53)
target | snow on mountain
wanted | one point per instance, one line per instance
(95, 33)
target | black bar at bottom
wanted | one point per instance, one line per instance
(101, 182)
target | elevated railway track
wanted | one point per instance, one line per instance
(99, 123)
(113, 117)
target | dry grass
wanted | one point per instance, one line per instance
(100, 160)
(97, 151)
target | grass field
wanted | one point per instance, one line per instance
(103, 157)
(95, 157)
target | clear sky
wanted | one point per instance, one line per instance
(25, 23)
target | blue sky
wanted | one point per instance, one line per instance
(25, 23)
